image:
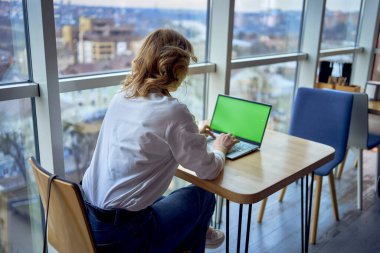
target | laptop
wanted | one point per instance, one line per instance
(245, 119)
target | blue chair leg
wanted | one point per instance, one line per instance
(262, 210)
(333, 196)
(340, 168)
(317, 201)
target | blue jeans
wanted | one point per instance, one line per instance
(175, 223)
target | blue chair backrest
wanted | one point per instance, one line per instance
(358, 136)
(323, 116)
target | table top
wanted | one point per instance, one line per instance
(281, 160)
(374, 107)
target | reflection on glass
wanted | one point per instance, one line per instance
(20, 214)
(13, 57)
(95, 37)
(339, 65)
(266, 27)
(270, 84)
(83, 113)
(376, 63)
(191, 93)
(376, 69)
(82, 116)
(340, 23)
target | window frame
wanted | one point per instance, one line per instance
(217, 68)
(45, 86)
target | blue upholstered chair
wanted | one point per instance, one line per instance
(359, 139)
(322, 116)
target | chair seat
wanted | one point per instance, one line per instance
(373, 140)
(326, 168)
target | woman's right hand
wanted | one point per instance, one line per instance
(224, 142)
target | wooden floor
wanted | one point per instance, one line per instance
(357, 231)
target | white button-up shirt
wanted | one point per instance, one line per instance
(140, 145)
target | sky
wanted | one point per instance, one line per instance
(240, 5)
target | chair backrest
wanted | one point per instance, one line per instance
(358, 136)
(68, 226)
(323, 116)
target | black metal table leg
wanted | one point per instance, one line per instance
(306, 206)
(302, 219)
(227, 225)
(306, 211)
(248, 228)
(239, 227)
(309, 214)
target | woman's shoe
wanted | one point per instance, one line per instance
(214, 238)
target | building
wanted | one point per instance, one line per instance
(100, 40)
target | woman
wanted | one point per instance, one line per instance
(145, 135)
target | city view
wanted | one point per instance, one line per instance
(98, 39)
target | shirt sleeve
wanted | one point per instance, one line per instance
(189, 149)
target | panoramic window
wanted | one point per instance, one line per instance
(101, 36)
(83, 113)
(266, 27)
(340, 23)
(13, 53)
(270, 84)
(20, 213)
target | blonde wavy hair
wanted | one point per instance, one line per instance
(163, 57)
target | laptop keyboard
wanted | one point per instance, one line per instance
(237, 148)
(240, 146)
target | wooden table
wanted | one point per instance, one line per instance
(282, 160)
(374, 107)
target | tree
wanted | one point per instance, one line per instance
(12, 145)
(81, 143)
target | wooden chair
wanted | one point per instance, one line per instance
(68, 226)
(322, 116)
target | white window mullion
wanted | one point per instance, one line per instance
(267, 60)
(340, 51)
(310, 42)
(369, 25)
(76, 83)
(220, 46)
(45, 73)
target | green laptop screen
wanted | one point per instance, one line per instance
(242, 118)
